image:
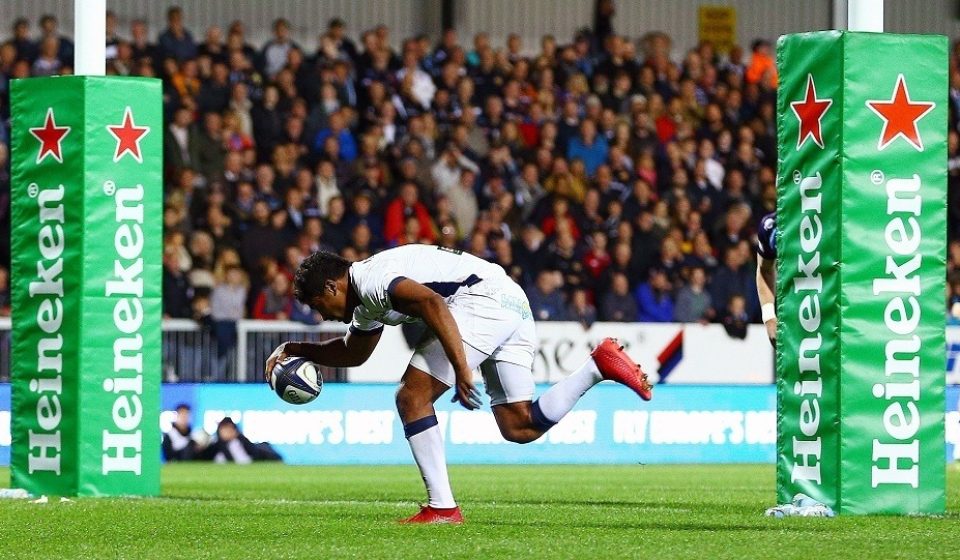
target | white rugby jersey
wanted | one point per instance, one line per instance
(445, 271)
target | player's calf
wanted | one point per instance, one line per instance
(517, 423)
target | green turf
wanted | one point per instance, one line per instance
(536, 512)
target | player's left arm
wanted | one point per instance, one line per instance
(416, 300)
(766, 284)
(350, 350)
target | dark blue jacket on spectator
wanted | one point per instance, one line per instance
(181, 49)
(546, 307)
(593, 155)
(727, 282)
(653, 308)
(348, 146)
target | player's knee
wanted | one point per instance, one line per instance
(408, 400)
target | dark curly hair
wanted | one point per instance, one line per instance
(314, 272)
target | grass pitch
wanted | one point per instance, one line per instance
(275, 511)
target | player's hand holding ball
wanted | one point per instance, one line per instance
(279, 354)
(296, 380)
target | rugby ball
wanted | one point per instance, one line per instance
(296, 380)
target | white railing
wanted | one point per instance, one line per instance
(190, 352)
(256, 340)
(195, 352)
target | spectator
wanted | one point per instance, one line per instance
(762, 68)
(181, 141)
(228, 302)
(693, 301)
(140, 43)
(335, 227)
(175, 41)
(179, 442)
(484, 137)
(560, 218)
(403, 208)
(177, 291)
(528, 190)
(447, 171)
(261, 238)
(26, 48)
(734, 277)
(563, 183)
(581, 310)
(326, 186)
(953, 300)
(588, 147)
(48, 62)
(597, 259)
(618, 305)
(275, 52)
(4, 292)
(231, 446)
(546, 303)
(654, 302)
(209, 152)
(463, 201)
(275, 301)
(420, 84)
(336, 129)
(735, 317)
(336, 31)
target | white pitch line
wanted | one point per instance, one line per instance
(470, 504)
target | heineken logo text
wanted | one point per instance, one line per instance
(45, 445)
(897, 461)
(809, 282)
(122, 448)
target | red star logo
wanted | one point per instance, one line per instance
(50, 135)
(900, 116)
(810, 112)
(128, 137)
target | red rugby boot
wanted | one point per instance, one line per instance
(615, 365)
(429, 515)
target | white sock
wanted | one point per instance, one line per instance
(427, 446)
(560, 399)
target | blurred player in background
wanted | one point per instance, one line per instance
(477, 317)
(767, 273)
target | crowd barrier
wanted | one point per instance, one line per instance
(671, 352)
(357, 423)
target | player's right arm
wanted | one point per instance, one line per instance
(350, 350)
(766, 283)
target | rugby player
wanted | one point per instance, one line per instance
(767, 273)
(477, 317)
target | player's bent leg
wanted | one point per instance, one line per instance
(511, 388)
(516, 422)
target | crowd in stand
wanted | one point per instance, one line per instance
(614, 181)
